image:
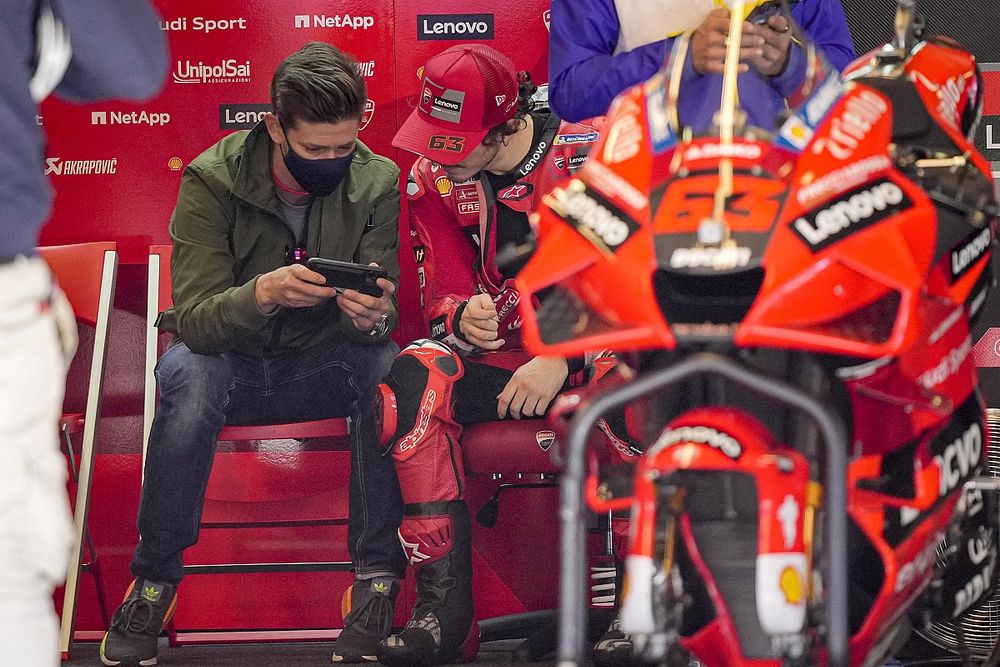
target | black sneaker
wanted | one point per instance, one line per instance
(368, 608)
(136, 625)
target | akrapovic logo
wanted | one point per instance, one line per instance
(968, 253)
(59, 167)
(454, 26)
(334, 21)
(857, 210)
(226, 71)
(241, 116)
(593, 216)
(149, 118)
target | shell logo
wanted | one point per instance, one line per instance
(443, 185)
(175, 164)
(791, 585)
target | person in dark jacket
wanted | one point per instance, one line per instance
(83, 52)
(260, 338)
(598, 48)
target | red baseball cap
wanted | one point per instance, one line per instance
(466, 91)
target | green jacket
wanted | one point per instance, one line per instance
(227, 230)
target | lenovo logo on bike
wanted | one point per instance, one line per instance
(856, 211)
(241, 116)
(226, 71)
(965, 256)
(701, 435)
(593, 216)
(454, 26)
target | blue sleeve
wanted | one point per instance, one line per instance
(825, 23)
(584, 76)
(119, 50)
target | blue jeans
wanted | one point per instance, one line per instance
(200, 393)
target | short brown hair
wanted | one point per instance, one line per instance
(319, 83)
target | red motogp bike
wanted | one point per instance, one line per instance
(795, 293)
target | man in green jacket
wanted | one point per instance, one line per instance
(261, 339)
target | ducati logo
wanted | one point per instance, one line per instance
(545, 439)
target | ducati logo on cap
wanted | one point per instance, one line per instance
(427, 96)
(545, 439)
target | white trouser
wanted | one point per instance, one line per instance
(37, 338)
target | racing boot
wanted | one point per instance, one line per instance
(437, 540)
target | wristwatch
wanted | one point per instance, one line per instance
(380, 326)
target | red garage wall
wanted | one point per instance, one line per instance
(116, 168)
(222, 57)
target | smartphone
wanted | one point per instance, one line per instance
(347, 275)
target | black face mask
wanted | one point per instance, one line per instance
(318, 177)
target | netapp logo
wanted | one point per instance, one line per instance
(454, 26)
(227, 71)
(128, 118)
(241, 116)
(60, 167)
(336, 21)
(855, 211)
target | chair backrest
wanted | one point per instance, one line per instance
(158, 298)
(82, 270)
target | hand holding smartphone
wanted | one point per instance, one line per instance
(348, 275)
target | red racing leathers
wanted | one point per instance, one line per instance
(453, 226)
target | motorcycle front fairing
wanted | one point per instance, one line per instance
(815, 230)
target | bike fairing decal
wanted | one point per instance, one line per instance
(853, 212)
(959, 450)
(965, 255)
(702, 435)
(592, 216)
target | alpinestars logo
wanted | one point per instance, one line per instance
(227, 71)
(856, 211)
(59, 167)
(454, 26)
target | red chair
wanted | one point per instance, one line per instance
(86, 272)
(232, 509)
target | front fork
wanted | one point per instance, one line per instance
(653, 593)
